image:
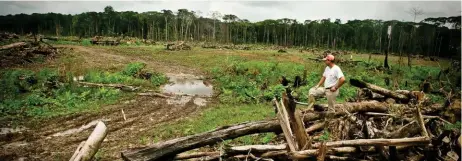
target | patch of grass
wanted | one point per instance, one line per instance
(130, 75)
(46, 93)
(85, 42)
(133, 69)
(212, 118)
(64, 42)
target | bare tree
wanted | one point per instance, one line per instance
(215, 16)
(414, 11)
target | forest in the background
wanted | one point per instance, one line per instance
(431, 37)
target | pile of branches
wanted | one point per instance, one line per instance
(410, 129)
(25, 52)
(229, 47)
(180, 45)
(100, 40)
(6, 36)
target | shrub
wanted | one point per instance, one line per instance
(86, 42)
(133, 69)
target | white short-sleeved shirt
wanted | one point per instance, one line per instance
(332, 76)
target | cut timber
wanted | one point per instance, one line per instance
(315, 127)
(421, 122)
(195, 155)
(119, 86)
(255, 148)
(284, 122)
(93, 143)
(367, 106)
(378, 142)
(77, 151)
(296, 123)
(379, 90)
(178, 145)
(13, 45)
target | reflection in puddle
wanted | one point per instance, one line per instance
(187, 84)
(187, 88)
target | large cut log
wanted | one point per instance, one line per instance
(178, 145)
(366, 106)
(77, 151)
(91, 146)
(13, 45)
(379, 90)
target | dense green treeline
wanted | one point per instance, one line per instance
(431, 37)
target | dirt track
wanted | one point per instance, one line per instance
(143, 115)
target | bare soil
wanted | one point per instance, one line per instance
(143, 115)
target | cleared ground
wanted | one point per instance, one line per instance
(151, 119)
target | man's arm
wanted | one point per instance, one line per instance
(340, 82)
(321, 81)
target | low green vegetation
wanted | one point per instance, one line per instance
(47, 93)
(253, 81)
(214, 117)
(132, 74)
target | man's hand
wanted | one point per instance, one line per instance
(333, 89)
(317, 86)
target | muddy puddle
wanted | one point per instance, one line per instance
(187, 88)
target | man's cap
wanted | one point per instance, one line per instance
(329, 57)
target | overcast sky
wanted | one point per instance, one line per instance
(255, 10)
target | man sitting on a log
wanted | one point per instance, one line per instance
(332, 78)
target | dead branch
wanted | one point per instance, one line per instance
(315, 127)
(118, 86)
(377, 142)
(183, 156)
(379, 90)
(254, 148)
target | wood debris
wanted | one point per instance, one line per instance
(370, 129)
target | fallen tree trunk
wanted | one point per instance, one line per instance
(77, 151)
(13, 45)
(178, 145)
(380, 90)
(174, 146)
(91, 146)
(367, 106)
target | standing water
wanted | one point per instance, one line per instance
(188, 87)
(187, 84)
